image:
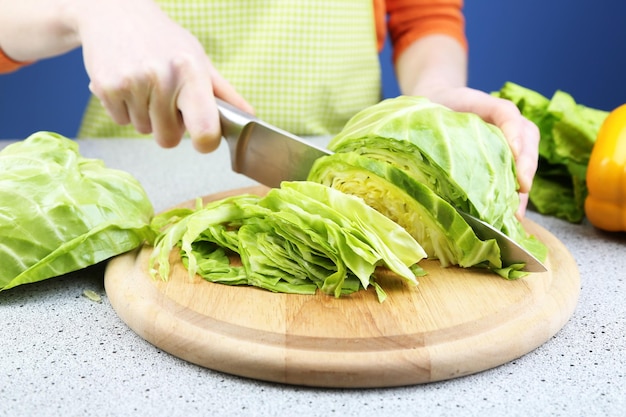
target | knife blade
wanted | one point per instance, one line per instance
(264, 152)
(270, 155)
(511, 252)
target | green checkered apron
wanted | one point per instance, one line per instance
(306, 66)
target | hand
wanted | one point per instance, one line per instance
(435, 66)
(522, 134)
(149, 71)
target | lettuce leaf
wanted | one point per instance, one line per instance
(568, 132)
(60, 212)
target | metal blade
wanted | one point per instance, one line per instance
(264, 152)
(510, 251)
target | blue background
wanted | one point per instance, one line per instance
(541, 44)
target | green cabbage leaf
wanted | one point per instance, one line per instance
(297, 239)
(409, 203)
(60, 212)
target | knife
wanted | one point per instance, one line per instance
(264, 152)
(511, 252)
(271, 155)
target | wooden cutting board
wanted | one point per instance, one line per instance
(455, 322)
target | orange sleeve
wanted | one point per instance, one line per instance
(380, 20)
(409, 20)
(9, 65)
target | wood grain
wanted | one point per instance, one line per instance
(455, 322)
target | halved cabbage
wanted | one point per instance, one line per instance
(460, 159)
(433, 222)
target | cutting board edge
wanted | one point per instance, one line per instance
(283, 364)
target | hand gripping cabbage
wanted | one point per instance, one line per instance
(415, 161)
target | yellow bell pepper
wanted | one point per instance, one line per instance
(605, 204)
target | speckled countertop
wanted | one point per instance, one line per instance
(66, 355)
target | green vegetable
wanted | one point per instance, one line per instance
(415, 161)
(568, 132)
(409, 203)
(296, 239)
(60, 212)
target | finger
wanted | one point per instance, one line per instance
(197, 107)
(528, 158)
(137, 93)
(138, 110)
(523, 204)
(115, 107)
(521, 134)
(168, 132)
(502, 113)
(508, 118)
(225, 90)
(167, 122)
(200, 117)
(126, 102)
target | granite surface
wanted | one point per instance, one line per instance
(64, 354)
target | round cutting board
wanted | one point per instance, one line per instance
(455, 322)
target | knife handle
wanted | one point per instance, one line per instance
(232, 119)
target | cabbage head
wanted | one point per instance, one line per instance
(60, 212)
(417, 162)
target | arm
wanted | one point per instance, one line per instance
(35, 29)
(435, 67)
(144, 68)
(431, 61)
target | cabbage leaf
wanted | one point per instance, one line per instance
(297, 239)
(60, 212)
(409, 203)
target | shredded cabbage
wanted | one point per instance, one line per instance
(298, 238)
